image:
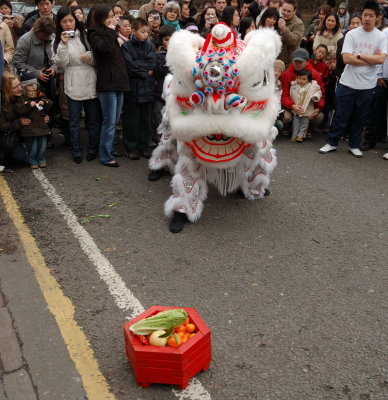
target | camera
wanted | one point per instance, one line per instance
(71, 34)
(39, 107)
(156, 17)
(212, 19)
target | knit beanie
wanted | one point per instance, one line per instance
(342, 5)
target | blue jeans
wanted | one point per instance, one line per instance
(111, 105)
(350, 104)
(93, 122)
(36, 149)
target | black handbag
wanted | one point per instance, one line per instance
(7, 141)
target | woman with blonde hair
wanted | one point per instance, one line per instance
(10, 121)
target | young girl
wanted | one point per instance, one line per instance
(270, 19)
(74, 56)
(343, 17)
(112, 79)
(246, 25)
(154, 19)
(171, 15)
(231, 18)
(207, 20)
(79, 13)
(329, 34)
(304, 92)
(124, 29)
(34, 105)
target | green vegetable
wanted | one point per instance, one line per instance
(165, 320)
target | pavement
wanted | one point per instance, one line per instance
(34, 360)
(293, 287)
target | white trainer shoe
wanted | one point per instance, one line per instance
(385, 156)
(327, 148)
(356, 152)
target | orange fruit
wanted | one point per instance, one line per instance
(185, 339)
(190, 328)
(187, 321)
(181, 328)
(191, 335)
(172, 342)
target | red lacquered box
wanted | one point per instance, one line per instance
(172, 365)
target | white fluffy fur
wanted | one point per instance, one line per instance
(180, 58)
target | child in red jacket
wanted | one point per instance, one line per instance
(319, 62)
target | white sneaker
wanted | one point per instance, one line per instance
(385, 156)
(2, 167)
(356, 152)
(327, 148)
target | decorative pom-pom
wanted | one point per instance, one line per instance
(197, 98)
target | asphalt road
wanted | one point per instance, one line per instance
(293, 287)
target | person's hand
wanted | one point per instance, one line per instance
(282, 24)
(151, 72)
(43, 76)
(46, 119)
(25, 121)
(115, 20)
(41, 102)
(381, 82)
(297, 109)
(8, 20)
(64, 38)
(85, 58)
(314, 113)
(33, 103)
(50, 71)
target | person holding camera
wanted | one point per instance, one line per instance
(154, 19)
(14, 22)
(207, 20)
(33, 54)
(72, 53)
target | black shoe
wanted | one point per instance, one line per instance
(147, 153)
(91, 156)
(155, 175)
(132, 155)
(177, 222)
(113, 164)
(267, 192)
(77, 159)
(367, 146)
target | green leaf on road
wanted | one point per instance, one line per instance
(93, 217)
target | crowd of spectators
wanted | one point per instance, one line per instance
(108, 69)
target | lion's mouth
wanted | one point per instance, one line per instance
(217, 148)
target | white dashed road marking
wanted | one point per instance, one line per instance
(121, 294)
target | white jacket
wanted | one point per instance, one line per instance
(80, 78)
(306, 96)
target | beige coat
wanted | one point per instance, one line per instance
(305, 96)
(329, 40)
(145, 9)
(291, 37)
(7, 42)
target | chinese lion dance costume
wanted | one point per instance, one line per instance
(218, 122)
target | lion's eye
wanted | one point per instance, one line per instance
(256, 84)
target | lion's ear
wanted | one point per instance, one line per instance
(182, 50)
(264, 41)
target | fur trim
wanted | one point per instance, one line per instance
(251, 127)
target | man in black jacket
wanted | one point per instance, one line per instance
(45, 8)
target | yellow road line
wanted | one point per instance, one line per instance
(95, 384)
